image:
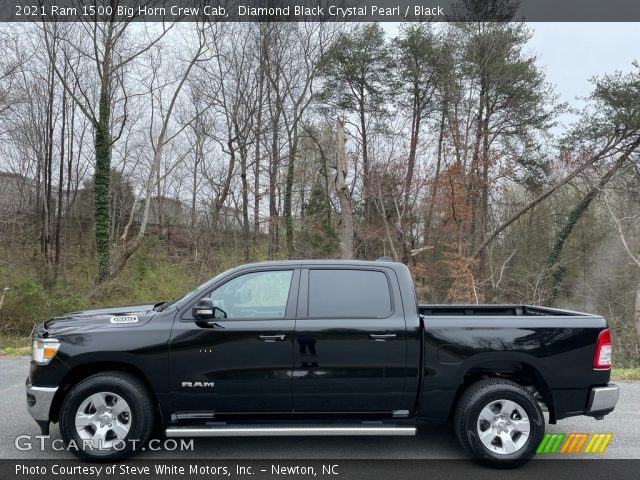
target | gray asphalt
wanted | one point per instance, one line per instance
(433, 441)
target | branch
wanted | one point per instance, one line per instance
(418, 251)
(635, 259)
(85, 109)
(543, 196)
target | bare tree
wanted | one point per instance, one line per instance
(161, 139)
(107, 52)
(635, 259)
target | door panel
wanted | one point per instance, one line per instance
(353, 363)
(237, 364)
(249, 374)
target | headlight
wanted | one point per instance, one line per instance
(44, 349)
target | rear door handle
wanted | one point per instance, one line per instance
(381, 337)
(272, 338)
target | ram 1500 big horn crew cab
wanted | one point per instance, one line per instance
(317, 348)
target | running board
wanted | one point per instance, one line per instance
(289, 430)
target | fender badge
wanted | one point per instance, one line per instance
(127, 319)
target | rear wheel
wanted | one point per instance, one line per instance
(107, 417)
(499, 422)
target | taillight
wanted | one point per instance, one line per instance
(602, 357)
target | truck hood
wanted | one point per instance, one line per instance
(100, 318)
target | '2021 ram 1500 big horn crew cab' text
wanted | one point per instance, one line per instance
(317, 348)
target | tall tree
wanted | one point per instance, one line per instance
(297, 68)
(512, 105)
(108, 50)
(162, 107)
(358, 75)
(417, 55)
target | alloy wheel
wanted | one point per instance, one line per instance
(102, 420)
(503, 427)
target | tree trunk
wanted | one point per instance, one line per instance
(436, 178)
(473, 184)
(48, 164)
(484, 189)
(365, 161)
(60, 181)
(245, 201)
(273, 178)
(413, 147)
(101, 184)
(288, 193)
(193, 221)
(67, 217)
(346, 210)
(256, 165)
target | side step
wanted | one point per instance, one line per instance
(290, 430)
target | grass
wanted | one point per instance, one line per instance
(15, 345)
(151, 276)
(626, 373)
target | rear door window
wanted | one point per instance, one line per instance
(336, 293)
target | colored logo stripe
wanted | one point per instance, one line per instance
(574, 442)
(550, 442)
(598, 442)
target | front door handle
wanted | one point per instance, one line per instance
(272, 338)
(381, 337)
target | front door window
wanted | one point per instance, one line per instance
(254, 295)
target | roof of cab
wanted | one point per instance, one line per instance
(324, 262)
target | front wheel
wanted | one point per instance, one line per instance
(107, 417)
(499, 422)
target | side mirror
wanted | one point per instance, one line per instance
(205, 310)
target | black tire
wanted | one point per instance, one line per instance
(481, 394)
(140, 421)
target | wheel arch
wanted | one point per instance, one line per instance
(80, 372)
(519, 371)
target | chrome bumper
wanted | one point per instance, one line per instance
(603, 399)
(39, 401)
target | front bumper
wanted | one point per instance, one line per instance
(39, 400)
(603, 400)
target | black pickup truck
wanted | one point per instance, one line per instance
(317, 348)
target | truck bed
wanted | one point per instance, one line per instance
(465, 342)
(494, 311)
